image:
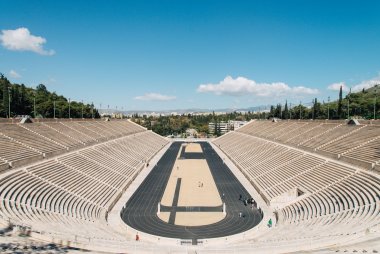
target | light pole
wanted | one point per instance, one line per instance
(312, 112)
(54, 108)
(328, 108)
(82, 109)
(69, 109)
(9, 102)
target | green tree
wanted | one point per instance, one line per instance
(278, 111)
(22, 102)
(286, 111)
(5, 91)
(272, 111)
(340, 103)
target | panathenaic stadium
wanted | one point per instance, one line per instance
(115, 187)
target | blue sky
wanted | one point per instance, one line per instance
(156, 55)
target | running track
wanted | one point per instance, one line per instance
(141, 209)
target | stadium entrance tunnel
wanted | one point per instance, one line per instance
(191, 194)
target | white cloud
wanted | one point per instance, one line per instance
(20, 39)
(366, 84)
(242, 86)
(336, 87)
(50, 81)
(298, 90)
(355, 88)
(14, 74)
(154, 97)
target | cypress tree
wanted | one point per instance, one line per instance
(278, 111)
(286, 110)
(271, 112)
(340, 102)
(5, 85)
(2, 112)
(314, 109)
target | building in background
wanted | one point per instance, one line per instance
(220, 128)
(236, 124)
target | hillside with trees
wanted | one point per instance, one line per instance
(39, 102)
(17, 99)
(361, 105)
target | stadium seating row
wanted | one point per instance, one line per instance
(356, 144)
(73, 193)
(275, 169)
(21, 144)
(335, 198)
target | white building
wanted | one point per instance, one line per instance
(225, 127)
(221, 126)
(236, 124)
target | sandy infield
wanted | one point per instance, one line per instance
(197, 189)
(193, 148)
(197, 218)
